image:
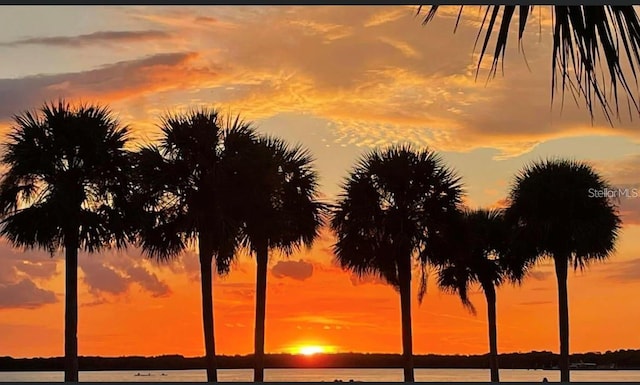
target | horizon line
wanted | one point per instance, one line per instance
(328, 354)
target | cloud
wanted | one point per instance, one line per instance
(540, 275)
(624, 272)
(186, 263)
(329, 67)
(623, 171)
(7, 273)
(624, 176)
(115, 81)
(18, 271)
(401, 46)
(367, 279)
(331, 319)
(385, 16)
(243, 291)
(149, 281)
(536, 303)
(110, 272)
(113, 273)
(628, 203)
(26, 295)
(191, 265)
(102, 279)
(16, 264)
(205, 19)
(91, 38)
(99, 300)
(374, 72)
(383, 81)
(42, 269)
(298, 270)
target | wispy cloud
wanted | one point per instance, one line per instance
(540, 275)
(91, 38)
(113, 273)
(298, 270)
(379, 81)
(624, 271)
(26, 295)
(116, 81)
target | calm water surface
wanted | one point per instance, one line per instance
(317, 375)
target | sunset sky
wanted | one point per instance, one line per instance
(340, 80)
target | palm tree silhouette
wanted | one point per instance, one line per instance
(476, 253)
(581, 36)
(280, 211)
(558, 208)
(391, 204)
(65, 187)
(184, 181)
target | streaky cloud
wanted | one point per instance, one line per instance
(91, 38)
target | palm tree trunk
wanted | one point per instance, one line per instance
(490, 294)
(71, 310)
(206, 281)
(262, 257)
(562, 268)
(404, 275)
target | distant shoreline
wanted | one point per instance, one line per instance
(310, 368)
(618, 360)
(316, 368)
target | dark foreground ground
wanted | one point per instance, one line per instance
(621, 359)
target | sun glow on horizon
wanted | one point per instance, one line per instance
(311, 349)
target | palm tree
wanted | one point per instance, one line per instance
(280, 211)
(185, 180)
(477, 254)
(65, 187)
(392, 203)
(588, 48)
(560, 208)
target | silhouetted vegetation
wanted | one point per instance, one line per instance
(214, 184)
(622, 359)
(552, 213)
(280, 210)
(478, 248)
(581, 36)
(66, 187)
(392, 203)
(186, 187)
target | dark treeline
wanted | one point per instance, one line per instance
(622, 359)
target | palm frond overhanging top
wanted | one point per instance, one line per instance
(596, 50)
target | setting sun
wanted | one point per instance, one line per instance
(309, 350)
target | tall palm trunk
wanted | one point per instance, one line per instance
(206, 281)
(404, 275)
(562, 268)
(490, 294)
(71, 309)
(262, 257)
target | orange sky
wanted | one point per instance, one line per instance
(340, 80)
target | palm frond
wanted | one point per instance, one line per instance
(68, 164)
(188, 186)
(454, 279)
(391, 204)
(556, 209)
(596, 50)
(34, 227)
(281, 205)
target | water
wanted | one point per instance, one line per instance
(318, 375)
